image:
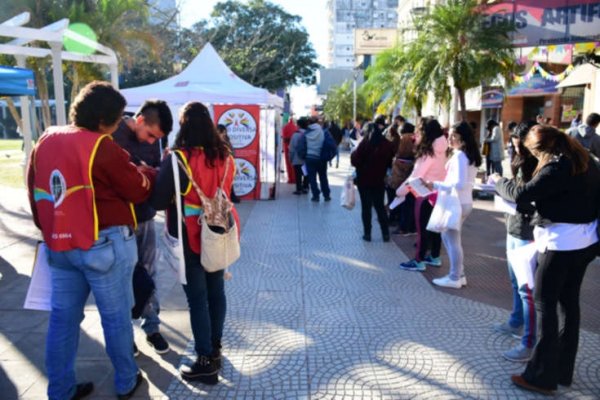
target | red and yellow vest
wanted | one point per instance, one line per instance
(209, 180)
(63, 187)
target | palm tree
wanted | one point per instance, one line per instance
(455, 47)
(338, 105)
(390, 79)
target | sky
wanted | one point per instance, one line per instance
(314, 19)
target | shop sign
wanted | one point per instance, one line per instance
(374, 41)
(534, 86)
(548, 22)
(492, 98)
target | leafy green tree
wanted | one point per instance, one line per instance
(116, 23)
(261, 43)
(338, 106)
(455, 47)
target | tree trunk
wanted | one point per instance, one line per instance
(15, 113)
(42, 85)
(463, 103)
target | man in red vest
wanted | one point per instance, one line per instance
(81, 189)
(286, 134)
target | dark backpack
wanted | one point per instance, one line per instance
(301, 146)
(329, 149)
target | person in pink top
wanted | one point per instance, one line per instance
(430, 165)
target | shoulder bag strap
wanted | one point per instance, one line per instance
(181, 271)
(193, 182)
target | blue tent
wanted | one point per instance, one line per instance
(16, 82)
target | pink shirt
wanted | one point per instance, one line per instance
(429, 168)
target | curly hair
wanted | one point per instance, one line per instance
(98, 103)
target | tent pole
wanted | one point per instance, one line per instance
(25, 119)
(59, 90)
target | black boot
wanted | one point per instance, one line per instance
(216, 357)
(82, 390)
(203, 370)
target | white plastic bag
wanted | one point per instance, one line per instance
(348, 197)
(446, 213)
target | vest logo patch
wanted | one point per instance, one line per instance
(58, 187)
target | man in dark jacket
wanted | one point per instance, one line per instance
(141, 136)
(586, 134)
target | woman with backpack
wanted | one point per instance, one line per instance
(207, 159)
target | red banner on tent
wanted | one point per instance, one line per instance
(243, 128)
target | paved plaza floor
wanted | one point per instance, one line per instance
(313, 313)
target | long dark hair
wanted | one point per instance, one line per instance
(430, 130)
(469, 145)
(547, 142)
(522, 160)
(374, 134)
(197, 129)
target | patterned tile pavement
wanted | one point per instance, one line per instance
(313, 313)
(323, 315)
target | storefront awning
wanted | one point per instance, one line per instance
(582, 75)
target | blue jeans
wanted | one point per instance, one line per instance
(146, 245)
(205, 294)
(106, 269)
(318, 167)
(523, 312)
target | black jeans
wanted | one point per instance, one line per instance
(426, 240)
(318, 167)
(407, 214)
(301, 179)
(556, 294)
(373, 197)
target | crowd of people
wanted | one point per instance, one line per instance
(555, 189)
(95, 206)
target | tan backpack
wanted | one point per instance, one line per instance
(219, 232)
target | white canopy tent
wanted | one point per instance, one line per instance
(206, 79)
(209, 80)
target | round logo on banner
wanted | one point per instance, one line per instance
(241, 127)
(244, 181)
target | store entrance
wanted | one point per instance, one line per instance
(533, 106)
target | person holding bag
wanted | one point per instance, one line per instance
(429, 166)
(566, 190)
(460, 177)
(519, 233)
(207, 159)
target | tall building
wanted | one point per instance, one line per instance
(408, 10)
(347, 15)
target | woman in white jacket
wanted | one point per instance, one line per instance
(460, 177)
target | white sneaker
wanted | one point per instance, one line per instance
(447, 282)
(463, 280)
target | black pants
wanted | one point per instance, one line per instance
(556, 294)
(301, 179)
(426, 240)
(407, 214)
(373, 197)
